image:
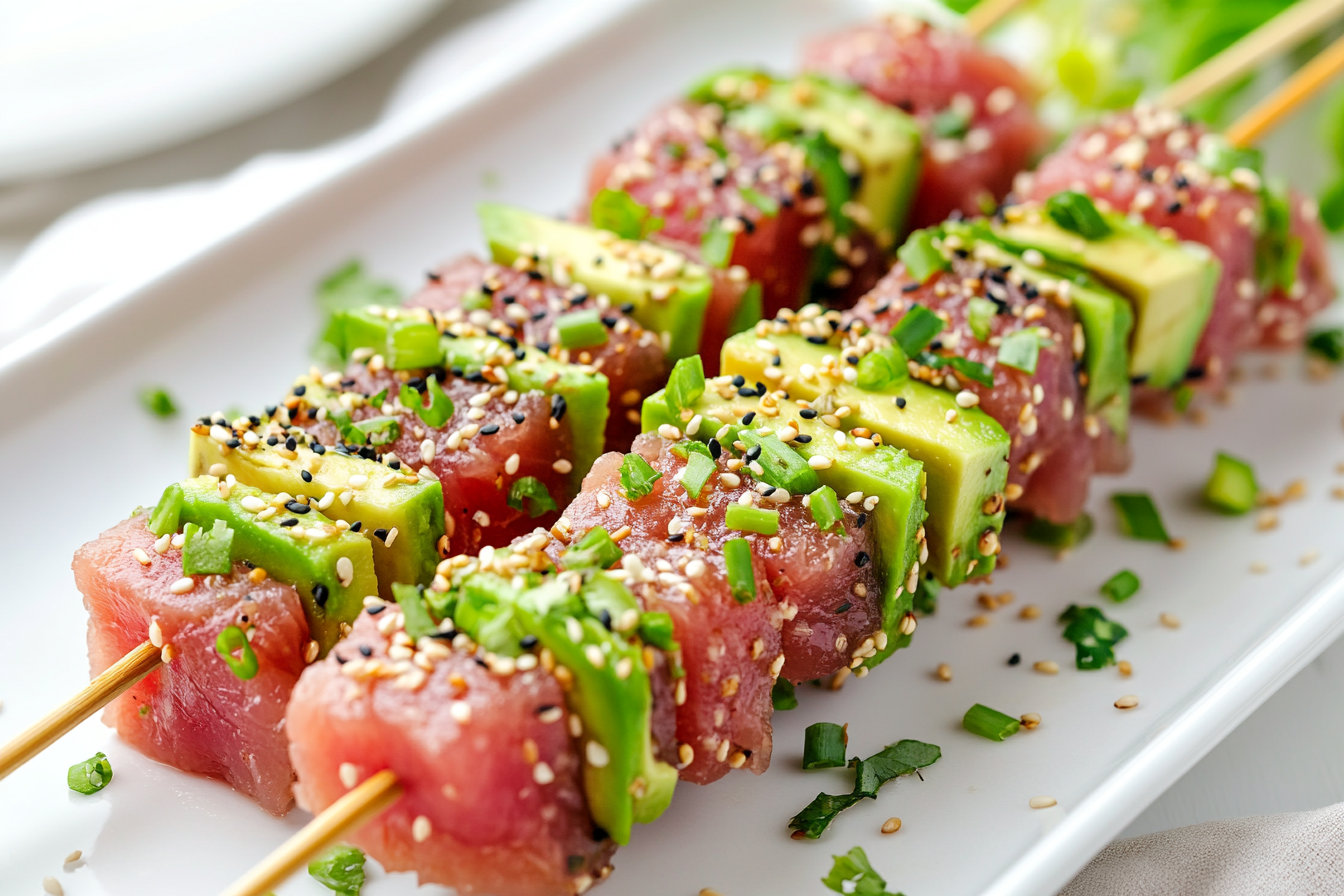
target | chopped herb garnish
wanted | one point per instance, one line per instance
(881, 368)
(411, 600)
(1077, 213)
(765, 204)
(922, 259)
(619, 212)
(1020, 350)
(901, 758)
(234, 648)
(685, 449)
(158, 402)
(656, 629)
(1062, 536)
(716, 246)
(581, 329)
(742, 518)
(817, 815)
(637, 477)
(780, 465)
(737, 565)
(1221, 158)
(1181, 397)
(990, 723)
(972, 370)
(595, 550)
(951, 123)
(440, 407)
(1093, 635)
(925, 598)
(531, 494)
(1327, 344)
(375, 431)
(207, 552)
(1139, 517)
(824, 745)
(826, 510)
(685, 385)
(979, 316)
(89, 776)
(699, 469)
(1121, 586)
(340, 870)
(916, 329)
(1231, 487)
(853, 875)
(347, 288)
(783, 696)
(823, 160)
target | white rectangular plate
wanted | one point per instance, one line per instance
(231, 326)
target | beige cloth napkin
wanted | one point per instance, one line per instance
(1298, 853)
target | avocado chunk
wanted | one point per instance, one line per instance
(882, 471)
(1105, 316)
(1170, 284)
(330, 567)
(883, 140)
(965, 460)
(623, 781)
(665, 291)
(413, 510)
(407, 338)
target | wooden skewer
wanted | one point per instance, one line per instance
(1249, 128)
(988, 13)
(349, 812)
(101, 691)
(1282, 32)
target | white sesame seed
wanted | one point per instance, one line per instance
(358, 481)
(669, 432)
(162, 544)
(53, 886)
(460, 710)
(597, 755)
(219, 471)
(73, 857)
(345, 571)
(542, 774)
(967, 399)
(141, 557)
(594, 655)
(1169, 620)
(1129, 701)
(511, 465)
(818, 462)
(562, 466)
(421, 828)
(349, 774)
(182, 585)
(1042, 802)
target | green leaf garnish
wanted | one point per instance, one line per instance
(233, 647)
(901, 758)
(916, 329)
(530, 494)
(922, 259)
(1093, 635)
(737, 567)
(1076, 212)
(699, 468)
(979, 317)
(1327, 344)
(1020, 350)
(89, 776)
(596, 550)
(440, 408)
(824, 745)
(375, 431)
(1139, 517)
(620, 213)
(779, 464)
(951, 123)
(346, 289)
(763, 203)
(657, 629)
(782, 695)
(637, 477)
(158, 402)
(207, 552)
(411, 600)
(1060, 535)
(853, 875)
(990, 723)
(1121, 586)
(716, 246)
(341, 870)
(881, 368)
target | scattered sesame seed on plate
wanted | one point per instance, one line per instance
(944, 672)
(1170, 620)
(1046, 667)
(1042, 802)
(891, 825)
(1129, 701)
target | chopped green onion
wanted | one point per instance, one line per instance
(922, 259)
(853, 875)
(823, 160)
(411, 599)
(824, 745)
(1231, 487)
(825, 507)
(925, 598)
(1139, 517)
(916, 329)
(1060, 535)
(412, 344)
(440, 405)
(742, 518)
(637, 477)
(980, 316)
(341, 870)
(656, 629)
(990, 723)
(783, 696)
(89, 776)
(972, 370)
(378, 431)
(233, 647)
(595, 549)
(207, 553)
(1093, 635)
(685, 449)
(377, 400)
(620, 213)
(158, 402)
(951, 123)
(699, 469)
(1020, 350)
(765, 204)
(881, 368)
(716, 246)
(1220, 157)
(346, 289)
(1181, 397)
(890, 763)
(779, 465)
(1121, 586)
(685, 385)
(581, 329)
(1327, 344)
(737, 565)
(531, 494)
(1077, 213)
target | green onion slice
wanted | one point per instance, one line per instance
(716, 246)
(411, 599)
(825, 507)
(233, 647)
(207, 552)
(1076, 212)
(89, 776)
(656, 629)
(737, 564)
(531, 494)
(440, 407)
(980, 316)
(340, 869)
(742, 518)
(699, 469)
(780, 465)
(782, 695)
(1139, 517)
(637, 477)
(990, 723)
(824, 745)
(922, 259)
(881, 368)
(1093, 635)
(581, 329)
(158, 402)
(595, 550)
(1327, 344)
(1231, 487)
(685, 385)
(1021, 350)
(1121, 586)
(916, 329)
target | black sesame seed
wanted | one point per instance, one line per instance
(395, 464)
(604, 617)
(753, 453)
(356, 526)
(365, 650)
(807, 414)
(519, 416)
(233, 443)
(320, 594)
(272, 441)
(490, 430)
(286, 523)
(319, 449)
(1015, 659)
(844, 607)
(739, 380)
(527, 642)
(680, 536)
(306, 476)
(861, 559)
(715, 449)
(558, 407)
(545, 707)
(770, 490)
(747, 392)
(380, 534)
(750, 416)
(296, 507)
(860, 520)
(299, 390)
(817, 340)
(802, 439)
(375, 610)
(900, 402)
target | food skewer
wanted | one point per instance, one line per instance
(1290, 27)
(988, 13)
(1302, 86)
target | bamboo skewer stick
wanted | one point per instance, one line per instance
(101, 691)
(1304, 84)
(349, 812)
(988, 13)
(1285, 30)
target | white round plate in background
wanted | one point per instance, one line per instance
(87, 82)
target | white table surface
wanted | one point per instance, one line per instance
(1285, 757)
